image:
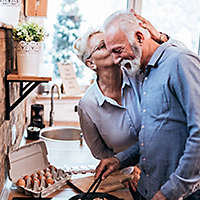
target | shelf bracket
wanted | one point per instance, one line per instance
(23, 91)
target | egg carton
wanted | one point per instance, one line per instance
(31, 172)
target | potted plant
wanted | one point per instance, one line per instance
(28, 39)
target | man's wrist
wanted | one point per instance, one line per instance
(159, 196)
(162, 38)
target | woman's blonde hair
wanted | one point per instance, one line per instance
(81, 44)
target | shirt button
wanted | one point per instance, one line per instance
(142, 126)
(144, 93)
(143, 159)
(142, 144)
(144, 110)
(145, 78)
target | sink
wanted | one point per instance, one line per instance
(60, 133)
(66, 147)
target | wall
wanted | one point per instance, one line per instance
(17, 117)
(64, 114)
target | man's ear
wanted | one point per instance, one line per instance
(139, 38)
(91, 64)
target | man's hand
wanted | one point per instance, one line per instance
(111, 164)
(159, 196)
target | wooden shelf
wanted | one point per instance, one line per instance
(16, 77)
(31, 82)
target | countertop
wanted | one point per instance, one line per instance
(82, 181)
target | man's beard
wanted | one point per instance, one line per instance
(132, 66)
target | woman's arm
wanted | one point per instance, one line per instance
(92, 137)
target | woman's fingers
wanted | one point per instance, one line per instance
(132, 11)
(139, 17)
(147, 25)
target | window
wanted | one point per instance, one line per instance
(92, 13)
(179, 19)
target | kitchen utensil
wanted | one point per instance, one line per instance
(92, 195)
(69, 183)
(95, 195)
(33, 133)
(37, 112)
(96, 182)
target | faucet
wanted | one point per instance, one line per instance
(51, 114)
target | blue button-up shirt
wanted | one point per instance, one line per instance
(169, 140)
(108, 127)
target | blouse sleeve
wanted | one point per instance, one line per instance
(91, 135)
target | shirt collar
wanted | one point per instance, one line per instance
(153, 62)
(125, 79)
(99, 95)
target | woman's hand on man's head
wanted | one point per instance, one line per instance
(155, 34)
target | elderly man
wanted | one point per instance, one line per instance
(169, 141)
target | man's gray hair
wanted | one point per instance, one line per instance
(81, 44)
(127, 22)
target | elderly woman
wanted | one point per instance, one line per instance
(109, 110)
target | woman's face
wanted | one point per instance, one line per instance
(99, 54)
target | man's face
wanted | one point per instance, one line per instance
(123, 52)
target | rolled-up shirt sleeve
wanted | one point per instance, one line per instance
(185, 84)
(129, 157)
(91, 135)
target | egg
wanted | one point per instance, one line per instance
(34, 175)
(42, 181)
(41, 177)
(36, 185)
(36, 180)
(28, 181)
(40, 172)
(21, 182)
(26, 177)
(48, 174)
(47, 170)
(49, 181)
(52, 168)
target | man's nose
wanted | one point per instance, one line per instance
(116, 59)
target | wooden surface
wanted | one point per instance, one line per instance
(111, 183)
(64, 96)
(36, 7)
(16, 77)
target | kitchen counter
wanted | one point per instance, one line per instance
(66, 192)
(82, 181)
